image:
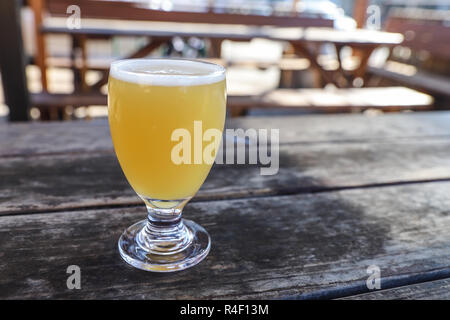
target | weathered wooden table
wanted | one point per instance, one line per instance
(352, 191)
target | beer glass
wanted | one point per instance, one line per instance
(160, 111)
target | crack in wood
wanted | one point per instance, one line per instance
(231, 196)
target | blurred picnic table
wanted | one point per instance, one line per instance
(352, 192)
(306, 43)
(106, 19)
(305, 34)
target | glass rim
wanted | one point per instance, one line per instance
(212, 72)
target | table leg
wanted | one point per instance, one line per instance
(346, 78)
(41, 52)
(83, 67)
(302, 50)
(341, 74)
(365, 54)
(77, 74)
(216, 48)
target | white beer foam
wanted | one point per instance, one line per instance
(167, 72)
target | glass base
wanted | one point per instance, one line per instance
(185, 247)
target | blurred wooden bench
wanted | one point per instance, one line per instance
(342, 100)
(422, 61)
(388, 99)
(288, 63)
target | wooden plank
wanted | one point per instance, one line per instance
(285, 64)
(233, 34)
(291, 246)
(94, 179)
(12, 61)
(420, 80)
(432, 290)
(358, 38)
(72, 136)
(339, 100)
(46, 100)
(54, 137)
(131, 11)
(421, 35)
(388, 99)
(317, 153)
(435, 16)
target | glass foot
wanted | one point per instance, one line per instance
(155, 248)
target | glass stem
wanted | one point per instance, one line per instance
(165, 232)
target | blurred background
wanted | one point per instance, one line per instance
(55, 55)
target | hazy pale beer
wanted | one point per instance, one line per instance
(151, 102)
(148, 100)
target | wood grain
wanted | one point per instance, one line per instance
(432, 290)
(69, 181)
(302, 246)
(64, 166)
(93, 136)
(352, 191)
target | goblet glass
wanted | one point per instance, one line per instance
(166, 119)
